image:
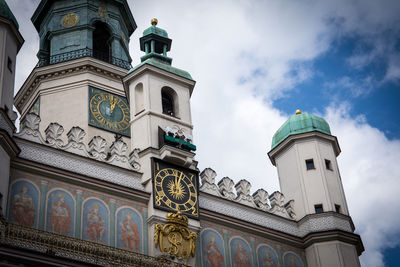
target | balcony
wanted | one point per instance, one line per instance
(48, 246)
(85, 52)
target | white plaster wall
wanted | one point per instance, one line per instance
(310, 187)
(4, 178)
(332, 254)
(8, 49)
(65, 101)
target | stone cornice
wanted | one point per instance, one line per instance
(309, 135)
(79, 164)
(163, 73)
(309, 224)
(64, 69)
(79, 179)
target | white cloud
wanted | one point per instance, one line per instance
(244, 55)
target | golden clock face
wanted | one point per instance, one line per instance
(108, 111)
(175, 188)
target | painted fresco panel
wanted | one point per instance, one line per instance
(266, 257)
(95, 221)
(212, 249)
(60, 215)
(240, 253)
(292, 260)
(129, 230)
(24, 199)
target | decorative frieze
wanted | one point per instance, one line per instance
(117, 156)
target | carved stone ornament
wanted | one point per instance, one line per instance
(260, 198)
(53, 133)
(290, 209)
(277, 201)
(208, 182)
(243, 193)
(118, 153)
(75, 141)
(30, 128)
(97, 148)
(174, 237)
(134, 159)
(226, 187)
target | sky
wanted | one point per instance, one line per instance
(255, 62)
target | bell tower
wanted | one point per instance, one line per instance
(159, 97)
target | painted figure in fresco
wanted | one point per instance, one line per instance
(60, 216)
(130, 233)
(241, 258)
(23, 209)
(268, 260)
(214, 255)
(292, 262)
(95, 224)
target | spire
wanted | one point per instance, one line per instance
(155, 43)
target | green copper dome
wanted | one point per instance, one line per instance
(155, 30)
(300, 123)
(6, 13)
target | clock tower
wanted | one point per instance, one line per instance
(83, 55)
(159, 98)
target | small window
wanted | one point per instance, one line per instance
(318, 208)
(167, 104)
(328, 164)
(310, 164)
(337, 208)
(10, 65)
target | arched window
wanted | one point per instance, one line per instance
(101, 42)
(169, 101)
(139, 99)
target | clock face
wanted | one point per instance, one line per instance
(175, 188)
(109, 111)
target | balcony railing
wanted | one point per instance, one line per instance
(54, 245)
(85, 52)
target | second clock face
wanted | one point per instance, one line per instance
(175, 188)
(109, 111)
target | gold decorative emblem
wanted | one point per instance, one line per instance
(70, 20)
(102, 10)
(175, 237)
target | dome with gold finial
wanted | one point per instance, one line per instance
(300, 123)
(153, 29)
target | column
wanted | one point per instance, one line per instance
(152, 46)
(253, 250)
(164, 50)
(280, 258)
(146, 48)
(112, 222)
(198, 250)
(145, 233)
(78, 214)
(42, 205)
(226, 244)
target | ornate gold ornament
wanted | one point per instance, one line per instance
(70, 20)
(175, 237)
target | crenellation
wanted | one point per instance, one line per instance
(226, 188)
(260, 198)
(97, 148)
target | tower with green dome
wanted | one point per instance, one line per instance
(304, 152)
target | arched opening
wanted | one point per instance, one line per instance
(169, 101)
(139, 98)
(101, 42)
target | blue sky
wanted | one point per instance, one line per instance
(256, 62)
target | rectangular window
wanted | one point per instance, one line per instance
(310, 164)
(318, 208)
(10, 65)
(337, 208)
(328, 165)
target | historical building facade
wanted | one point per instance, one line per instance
(102, 170)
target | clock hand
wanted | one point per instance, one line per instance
(179, 180)
(112, 104)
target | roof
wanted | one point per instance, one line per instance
(159, 64)
(155, 30)
(300, 123)
(6, 13)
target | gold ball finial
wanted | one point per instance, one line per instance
(154, 21)
(298, 112)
